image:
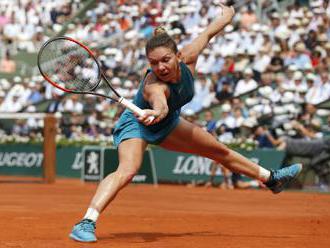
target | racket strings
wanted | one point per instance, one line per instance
(69, 65)
(104, 89)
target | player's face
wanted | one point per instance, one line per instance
(165, 64)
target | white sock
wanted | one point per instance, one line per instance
(263, 174)
(254, 183)
(92, 214)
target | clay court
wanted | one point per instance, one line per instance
(35, 215)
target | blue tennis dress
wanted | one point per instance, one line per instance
(129, 127)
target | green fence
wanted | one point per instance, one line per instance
(26, 160)
(158, 164)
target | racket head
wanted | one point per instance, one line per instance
(69, 65)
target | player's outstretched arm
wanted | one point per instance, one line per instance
(189, 53)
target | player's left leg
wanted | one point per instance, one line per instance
(189, 138)
(130, 154)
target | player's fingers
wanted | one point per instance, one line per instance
(142, 118)
(149, 121)
(146, 119)
(232, 8)
(224, 7)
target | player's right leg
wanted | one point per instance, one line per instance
(189, 138)
(130, 158)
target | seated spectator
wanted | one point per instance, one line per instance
(210, 122)
(237, 103)
(7, 65)
(318, 150)
(311, 39)
(12, 103)
(311, 95)
(267, 43)
(246, 84)
(289, 85)
(224, 85)
(226, 91)
(301, 56)
(55, 105)
(307, 125)
(224, 134)
(36, 93)
(262, 61)
(229, 63)
(310, 131)
(299, 83)
(226, 116)
(264, 138)
(308, 113)
(316, 58)
(71, 104)
(93, 131)
(276, 64)
(203, 94)
(238, 117)
(241, 59)
(205, 61)
(20, 128)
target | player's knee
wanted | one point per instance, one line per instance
(126, 176)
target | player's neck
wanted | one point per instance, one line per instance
(178, 74)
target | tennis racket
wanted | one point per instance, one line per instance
(72, 67)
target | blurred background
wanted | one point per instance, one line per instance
(264, 83)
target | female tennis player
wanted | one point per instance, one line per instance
(166, 87)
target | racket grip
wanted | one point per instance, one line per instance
(135, 109)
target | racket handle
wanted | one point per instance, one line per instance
(135, 109)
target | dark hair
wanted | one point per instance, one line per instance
(161, 39)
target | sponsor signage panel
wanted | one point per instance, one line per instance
(21, 160)
(184, 167)
(101, 161)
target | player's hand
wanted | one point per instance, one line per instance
(151, 116)
(227, 12)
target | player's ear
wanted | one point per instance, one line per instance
(179, 55)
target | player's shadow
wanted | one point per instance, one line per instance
(143, 237)
(137, 237)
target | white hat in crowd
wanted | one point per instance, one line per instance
(116, 81)
(310, 76)
(287, 97)
(298, 75)
(248, 71)
(226, 107)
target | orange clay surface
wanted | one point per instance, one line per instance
(36, 215)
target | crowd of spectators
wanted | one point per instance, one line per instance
(268, 72)
(24, 24)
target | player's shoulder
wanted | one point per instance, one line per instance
(154, 85)
(152, 80)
